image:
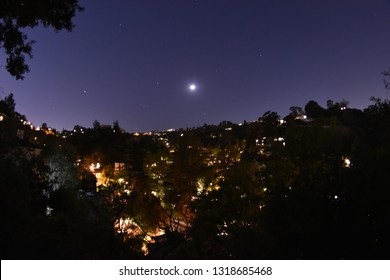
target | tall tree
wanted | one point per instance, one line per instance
(18, 14)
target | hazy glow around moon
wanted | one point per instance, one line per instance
(192, 87)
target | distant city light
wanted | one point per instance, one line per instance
(92, 167)
(49, 210)
(347, 162)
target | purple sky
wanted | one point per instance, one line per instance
(133, 61)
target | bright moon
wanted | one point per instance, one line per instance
(192, 87)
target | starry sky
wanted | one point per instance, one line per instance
(135, 60)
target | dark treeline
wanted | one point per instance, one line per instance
(314, 185)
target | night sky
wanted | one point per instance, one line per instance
(134, 61)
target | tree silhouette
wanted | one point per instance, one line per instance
(386, 79)
(313, 110)
(18, 14)
(7, 105)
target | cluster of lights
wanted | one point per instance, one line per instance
(24, 122)
(93, 166)
(301, 117)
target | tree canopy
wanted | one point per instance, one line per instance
(18, 14)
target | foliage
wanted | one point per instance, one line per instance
(386, 80)
(269, 189)
(16, 15)
(313, 110)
